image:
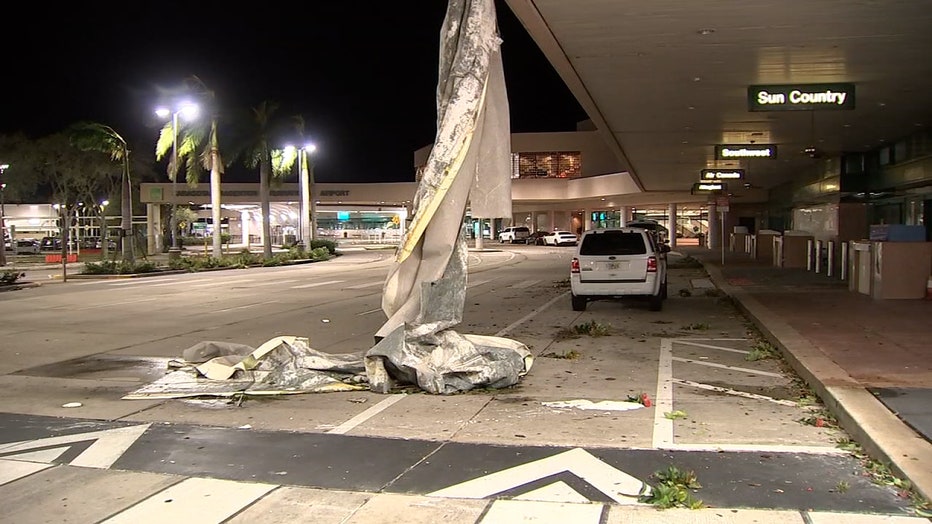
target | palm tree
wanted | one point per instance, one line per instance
(258, 151)
(198, 150)
(92, 136)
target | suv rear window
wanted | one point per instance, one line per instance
(613, 243)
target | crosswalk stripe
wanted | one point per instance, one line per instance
(194, 500)
(508, 511)
(11, 470)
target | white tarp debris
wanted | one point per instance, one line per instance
(283, 365)
(602, 405)
(425, 291)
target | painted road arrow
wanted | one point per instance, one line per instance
(96, 449)
(565, 478)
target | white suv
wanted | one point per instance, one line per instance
(614, 263)
(514, 234)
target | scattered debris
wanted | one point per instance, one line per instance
(642, 399)
(591, 328)
(674, 489)
(569, 355)
(72, 405)
(696, 326)
(673, 415)
(761, 350)
(685, 292)
(357, 400)
(603, 405)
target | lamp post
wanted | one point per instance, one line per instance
(307, 223)
(188, 111)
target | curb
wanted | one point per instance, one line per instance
(879, 431)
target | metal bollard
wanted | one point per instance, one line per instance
(809, 255)
(844, 260)
(818, 256)
(831, 258)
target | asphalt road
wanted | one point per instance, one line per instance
(719, 406)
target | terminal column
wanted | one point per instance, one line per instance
(672, 213)
(714, 234)
(153, 229)
(625, 215)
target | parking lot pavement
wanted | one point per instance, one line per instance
(853, 350)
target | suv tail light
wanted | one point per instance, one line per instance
(574, 266)
(651, 265)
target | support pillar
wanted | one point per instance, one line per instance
(154, 237)
(244, 227)
(714, 240)
(672, 213)
(625, 215)
(587, 219)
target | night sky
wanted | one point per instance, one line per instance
(362, 74)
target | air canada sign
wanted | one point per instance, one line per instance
(800, 97)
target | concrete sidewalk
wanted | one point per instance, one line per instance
(869, 360)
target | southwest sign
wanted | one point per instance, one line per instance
(800, 97)
(722, 174)
(733, 151)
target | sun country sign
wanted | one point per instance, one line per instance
(800, 97)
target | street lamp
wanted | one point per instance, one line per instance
(3, 167)
(308, 223)
(189, 111)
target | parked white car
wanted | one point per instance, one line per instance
(560, 238)
(26, 246)
(514, 234)
(616, 263)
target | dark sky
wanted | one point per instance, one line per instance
(362, 74)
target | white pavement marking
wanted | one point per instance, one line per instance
(613, 483)
(121, 303)
(729, 391)
(526, 283)
(759, 448)
(663, 400)
(137, 281)
(557, 491)
(511, 511)
(478, 283)
(709, 346)
(241, 307)
(109, 445)
(194, 500)
(733, 368)
(371, 311)
(366, 415)
(221, 282)
(186, 282)
(529, 316)
(819, 517)
(316, 284)
(11, 470)
(367, 284)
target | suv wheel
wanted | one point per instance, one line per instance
(579, 303)
(655, 302)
